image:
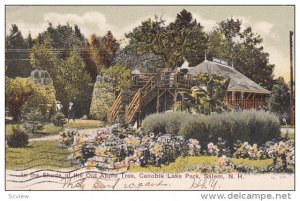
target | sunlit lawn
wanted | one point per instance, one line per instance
(45, 154)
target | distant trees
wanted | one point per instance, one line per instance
(16, 53)
(58, 51)
(279, 101)
(101, 51)
(74, 62)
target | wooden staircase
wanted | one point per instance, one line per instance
(130, 105)
(115, 108)
(141, 98)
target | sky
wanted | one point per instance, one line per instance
(273, 23)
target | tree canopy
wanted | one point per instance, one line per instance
(184, 38)
(74, 60)
(242, 49)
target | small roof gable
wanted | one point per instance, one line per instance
(238, 81)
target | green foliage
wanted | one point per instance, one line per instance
(102, 52)
(119, 76)
(169, 122)
(17, 92)
(55, 51)
(242, 48)
(43, 98)
(183, 38)
(59, 119)
(73, 84)
(279, 100)
(114, 79)
(61, 37)
(41, 77)
(16, 63)
(103, 98)
(210, 92)
(33, 119)
(250, 126)
(41, 58)
(18, 138)
(147, 62)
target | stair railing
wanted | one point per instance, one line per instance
(115, 108)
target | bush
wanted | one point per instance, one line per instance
(43, 97)
(33, 120)
(250, 126)
(18, 138)
(58, 119)
(169, 122)
(103, 99)
(17, 92)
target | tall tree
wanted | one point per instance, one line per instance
(243, 50)
(183, 38)
(16, 54)
(29, 41)
(58, 50)
(73, 84)
(279, 101)
(43, 58)
(102, 50)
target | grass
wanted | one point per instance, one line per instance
(44, 154)
(251, 163)
(183, 163)
(50, 129)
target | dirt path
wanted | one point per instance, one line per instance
(55, 137)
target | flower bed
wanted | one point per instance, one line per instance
(117, 148)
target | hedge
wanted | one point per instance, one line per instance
(249, 125)
(169, 122)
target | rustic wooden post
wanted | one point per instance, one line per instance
(157, 101)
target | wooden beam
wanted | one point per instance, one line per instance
(248, 97)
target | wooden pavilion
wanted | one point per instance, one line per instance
(157, 92)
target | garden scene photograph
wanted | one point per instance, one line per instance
(149, 97)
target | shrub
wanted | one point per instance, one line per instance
(17, 91)
(18, 138)
(43, 97)
(33, 120)
(58, 119)
(251, 126)
(103, 99)
(169, 122)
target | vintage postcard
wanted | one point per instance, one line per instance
(193, 98)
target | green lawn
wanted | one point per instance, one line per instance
(45, 154)
(50, 129)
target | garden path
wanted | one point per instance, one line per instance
(55, 137)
